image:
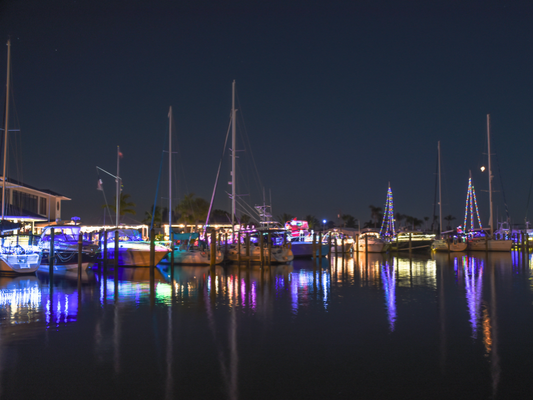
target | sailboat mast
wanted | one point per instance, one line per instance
(170, 172)
(490, 177)
(440, 194)
(233, 149)
(6, 127)
(118, 186)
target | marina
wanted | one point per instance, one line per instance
(266, 200)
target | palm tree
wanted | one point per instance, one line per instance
(283, 218)
(312, 222)
(220, 216)
(376, 214)
(192, 210)
(158, 216)
(348, 221)
(399, 218)
(449, 218)
(417, 223)
(245, 219)
(126, 206)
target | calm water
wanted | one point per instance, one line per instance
(430, 327)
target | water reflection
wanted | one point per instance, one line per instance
(20, 299)
(217, 321)
(388, 275)
(473, 277)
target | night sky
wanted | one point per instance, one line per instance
(335, 98)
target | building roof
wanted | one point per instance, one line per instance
(14, 183)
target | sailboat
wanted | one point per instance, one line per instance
(14, 257)
(447, 241)
(191, 250)
(486, 242)
(132, 250)
(277, 250)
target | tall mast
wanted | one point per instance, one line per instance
(490, 177)
(440, 195)
(170, 172)
(118, 186)
(6, 127)
(233, 150)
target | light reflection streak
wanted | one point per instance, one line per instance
(487, 336)
(388, 276)
(473, 271)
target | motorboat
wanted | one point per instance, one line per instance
(132, 249)
(19, 254)
(412, 241)
(66, 247)
(371, 242)
(301, 240)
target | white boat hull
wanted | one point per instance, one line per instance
(376, 247)
(135, 257)
(20, 263)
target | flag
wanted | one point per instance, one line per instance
(99, 185)
(120, 154)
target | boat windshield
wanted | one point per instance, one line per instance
(61, 233)
(125, 235)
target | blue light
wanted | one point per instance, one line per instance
(323, 221)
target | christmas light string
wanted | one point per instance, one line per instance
(387, 226)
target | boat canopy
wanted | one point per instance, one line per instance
(185, 236)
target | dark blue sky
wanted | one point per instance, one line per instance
(337, 99)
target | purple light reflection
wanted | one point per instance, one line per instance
(473, 270)
(388, 276)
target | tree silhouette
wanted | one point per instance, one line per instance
(449, 218)
(348, 221)
(192, 210)
(283, 218)
(376, 213)
(158, 216)
(126, 206)
(312, 221)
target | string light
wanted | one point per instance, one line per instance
(387, 226)
(471, 204)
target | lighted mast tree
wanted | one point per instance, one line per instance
(387, 226)
(471, 204)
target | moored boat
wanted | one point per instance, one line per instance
(132, 250)
(371, 242)
(258, 248)
(18, 255)
(66, 247)
(301, 240)
(191, 250)
(483, 242)
(412, 241)
(449, 244)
